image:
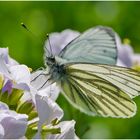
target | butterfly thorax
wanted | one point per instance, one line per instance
(55, 68)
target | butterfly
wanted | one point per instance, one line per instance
(86, 73)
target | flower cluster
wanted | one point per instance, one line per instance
(25, 111)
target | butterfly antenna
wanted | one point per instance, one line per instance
(24, 26)
(27, 29)
(51, 52)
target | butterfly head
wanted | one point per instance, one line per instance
(55, 69)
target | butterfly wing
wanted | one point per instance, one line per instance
(96, 45)
(124, 78)
(97, 89)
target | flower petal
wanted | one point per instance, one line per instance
(20, 74)
(12, 61)
(47, 110)
(1, 131)
(4, 53)
(3, 67)
(51, 91)
(125, 53)
(3, 106)
(60, 40)
(120, 63)
(67, 131)
(39, 79)
(22, 86)
(136, 59)
(13, 128)
(7, 86)
(14, 124)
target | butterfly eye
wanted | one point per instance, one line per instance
(50, 60)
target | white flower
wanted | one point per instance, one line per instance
(12, 124)
(49, 116)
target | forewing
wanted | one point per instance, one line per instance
(96, 45)
(93, 94)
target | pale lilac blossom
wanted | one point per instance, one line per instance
(15, 75)
(48, 111)
(19, 77)
(5, 53)
(50, 90)
(126, 55)
(12, 124)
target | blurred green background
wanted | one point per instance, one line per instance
(45, 17)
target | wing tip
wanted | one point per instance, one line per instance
(109, 30)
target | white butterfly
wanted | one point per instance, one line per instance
(86, 73)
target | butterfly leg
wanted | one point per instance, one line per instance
(47, 81)
(41, 74)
